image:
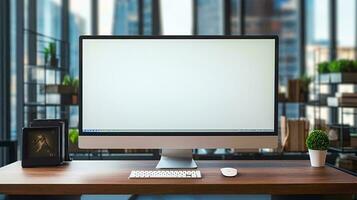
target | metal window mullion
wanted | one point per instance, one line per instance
(94, 17)
(19, 69)
(140, 17)
(32, 56)
(227, 17)
(195, 16)
(333, 53)
(242, 17)
(5, 69)
(155, 17)
(302, 34)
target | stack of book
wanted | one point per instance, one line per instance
(343, 99)
(294, 134)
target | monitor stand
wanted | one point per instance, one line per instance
(176, 159)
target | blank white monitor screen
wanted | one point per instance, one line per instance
(178, 85)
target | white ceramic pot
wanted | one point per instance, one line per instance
(317, 158)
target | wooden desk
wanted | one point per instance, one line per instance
(111, 177)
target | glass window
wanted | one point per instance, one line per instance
(106, 17)
(79, 24)
(49, 17)
(118, 17)
(176, 17)
(235, 17)
(317, 33)
(279, 17)
(210, 17)
(346, 45)
(346, 29)
(13, 124)
(317, 48)
(126, 18)
(147, 17)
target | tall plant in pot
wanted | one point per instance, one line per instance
(51, 54)
(317, 142)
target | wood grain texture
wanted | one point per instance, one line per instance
(111, 177)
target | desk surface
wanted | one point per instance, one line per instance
(111, 177)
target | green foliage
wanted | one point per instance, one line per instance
(323, 67)
(337, 66)
(47, 54)
(342, 65)
(317, 140)
(73, 135)
(51, 50)
(70, 81)
(334, 67)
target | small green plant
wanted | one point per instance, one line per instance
(323, 67)
(73, 135)
(50, 51)
(70, 81)
(317, 140)
(334, 67)
(47, 54)
(342, 65)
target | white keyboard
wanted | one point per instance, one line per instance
(140, 174)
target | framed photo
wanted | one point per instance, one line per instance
(41, 146)
(63, 125)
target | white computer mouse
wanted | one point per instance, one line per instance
(229, 172)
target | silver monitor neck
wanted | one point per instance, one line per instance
(176, 159)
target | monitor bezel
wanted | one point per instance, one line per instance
(223, 37)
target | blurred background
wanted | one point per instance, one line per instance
(39, 63)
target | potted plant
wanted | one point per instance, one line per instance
(343, 71)
(323, 70)
(317, 142)
(51, 54)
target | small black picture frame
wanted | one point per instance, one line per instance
(63, 124)
(41, 146)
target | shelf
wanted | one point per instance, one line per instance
(34, 83)
(343, 150)
(44, 67)
(292, 102)
(337, 78)
(48, 104)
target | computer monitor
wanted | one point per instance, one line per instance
(177, 93)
